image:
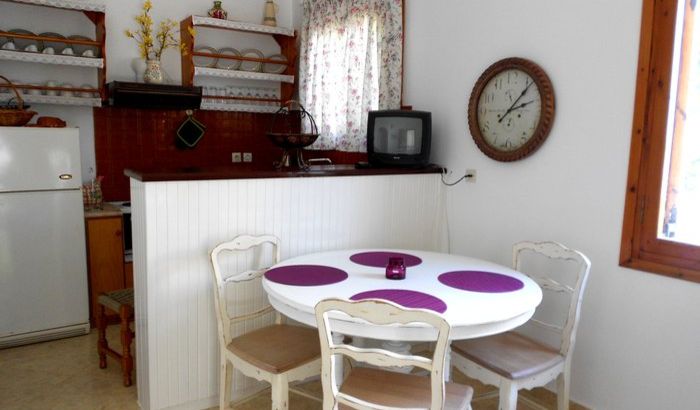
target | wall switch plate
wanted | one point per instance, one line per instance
(247, 157)
(470, 175)
(235, 157)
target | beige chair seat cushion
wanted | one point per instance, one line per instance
(277, 348)
(400, 390)
(115, 299)
(509, 354)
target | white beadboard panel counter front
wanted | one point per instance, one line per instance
(177, 223)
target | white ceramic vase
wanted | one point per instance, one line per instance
(153, 73)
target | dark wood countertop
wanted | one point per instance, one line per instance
(248, 172)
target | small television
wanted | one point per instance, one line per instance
(398, 138)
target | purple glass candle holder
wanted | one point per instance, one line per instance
(396, 269)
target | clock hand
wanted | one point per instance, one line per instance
(523, 105)
(515, 102)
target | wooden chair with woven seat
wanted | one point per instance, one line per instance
(522, 358)
(373, 388)
(122, 303)
(278, 353)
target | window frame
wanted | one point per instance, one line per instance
(641, 248)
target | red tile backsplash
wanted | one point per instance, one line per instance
(134, 138)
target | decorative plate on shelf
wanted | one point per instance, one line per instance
(273, 68)
(82, 49)
(229, 64)
(22, 43)
(57, 45)
(255, 66)
(203, 61)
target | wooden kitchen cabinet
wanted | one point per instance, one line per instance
(129, 274)
(105, 253)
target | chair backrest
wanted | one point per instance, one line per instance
(382, 313)
(581, 265)
(239, 244)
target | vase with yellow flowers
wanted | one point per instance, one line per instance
(152, 45)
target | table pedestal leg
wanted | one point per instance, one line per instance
(403, 348)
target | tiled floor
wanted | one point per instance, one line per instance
(64, 374)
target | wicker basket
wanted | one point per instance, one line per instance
(15, 117)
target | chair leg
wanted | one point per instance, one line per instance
(102, 336)
(508, 395)
(563, 391)
(280, 392)
(126, 337)
(225, 379)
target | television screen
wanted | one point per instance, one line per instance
(398, 138)
(398, 135)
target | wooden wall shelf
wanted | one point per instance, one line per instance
(57, 59)
(208, 104)
(285, 38)
(202, 21)
(96, 14)
(63, 100)
(243, 75)
(64, 4)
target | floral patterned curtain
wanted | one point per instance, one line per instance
(350, 63)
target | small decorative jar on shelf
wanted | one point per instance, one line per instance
(396, 269)
(217, 11)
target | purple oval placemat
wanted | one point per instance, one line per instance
(381, 259)
(405, 298)
(306, 275)
(479, 281)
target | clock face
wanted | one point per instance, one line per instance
(509, 110)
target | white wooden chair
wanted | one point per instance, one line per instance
(277, 354)
(372, 388)
(513, 361)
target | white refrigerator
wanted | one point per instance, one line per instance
(43, 269)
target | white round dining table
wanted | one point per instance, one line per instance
(476, 297)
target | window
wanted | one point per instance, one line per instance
(350, 63)
(661, 231)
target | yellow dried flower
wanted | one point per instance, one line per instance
(144, 35)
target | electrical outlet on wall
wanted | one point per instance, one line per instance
(235, 157)
(247, 157)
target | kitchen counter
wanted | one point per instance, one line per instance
(249, 172)
(108, 210)
(178, 217)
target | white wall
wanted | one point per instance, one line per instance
(121, 51)
(639, 334)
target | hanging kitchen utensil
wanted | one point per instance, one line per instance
(190, 132)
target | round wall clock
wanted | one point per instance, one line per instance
(511, 109)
